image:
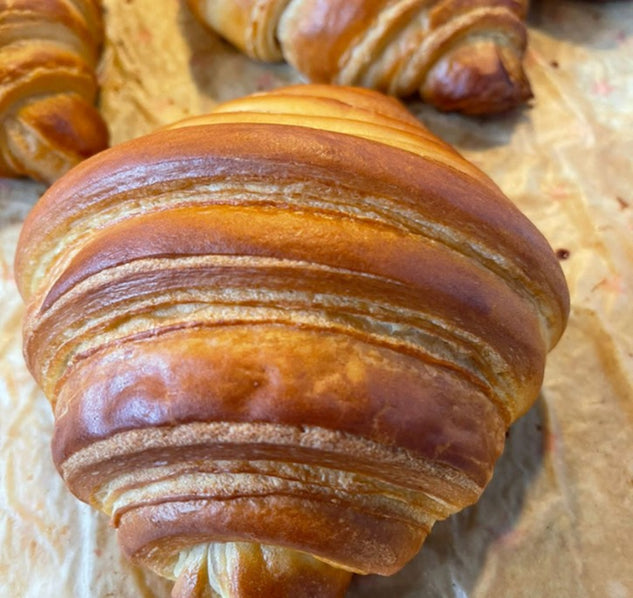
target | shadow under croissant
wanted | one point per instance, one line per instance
(222, 72)
(587, 23)
(469, 133)
(453, 557)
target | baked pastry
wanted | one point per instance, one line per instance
(459, 55)
(282, 339)
(48, 54)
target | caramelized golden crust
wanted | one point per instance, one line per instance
(48, 53)
(170, 247)
(457, 54)
(279, 347)
(249, 373)
(343, 533)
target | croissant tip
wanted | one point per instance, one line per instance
(249, 570)
(50, 135)
(481, 81)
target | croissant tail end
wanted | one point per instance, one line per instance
(192, 575)
(249, 570)
(49, 136)
(486, 79)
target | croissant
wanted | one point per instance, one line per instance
(459, 55)
(282, 339)
(48, 54)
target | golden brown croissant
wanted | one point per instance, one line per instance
(48, 54)
(282, 339)
(459, 55)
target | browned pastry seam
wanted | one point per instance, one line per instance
(407, 516)
(230, 237)
(113, 490)
(62, 23)
(477, 24)
(92, 407)
(70, 356)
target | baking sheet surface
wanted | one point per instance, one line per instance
(557, 519)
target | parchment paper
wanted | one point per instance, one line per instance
(557, 519)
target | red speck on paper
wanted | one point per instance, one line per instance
(602, 88)
(612, 284)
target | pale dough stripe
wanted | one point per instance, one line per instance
(108, 496)
(417, 474)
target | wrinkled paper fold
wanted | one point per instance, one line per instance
(557, 519)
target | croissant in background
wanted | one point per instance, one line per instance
(459, 55)
(283, 339)
(48, 54)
